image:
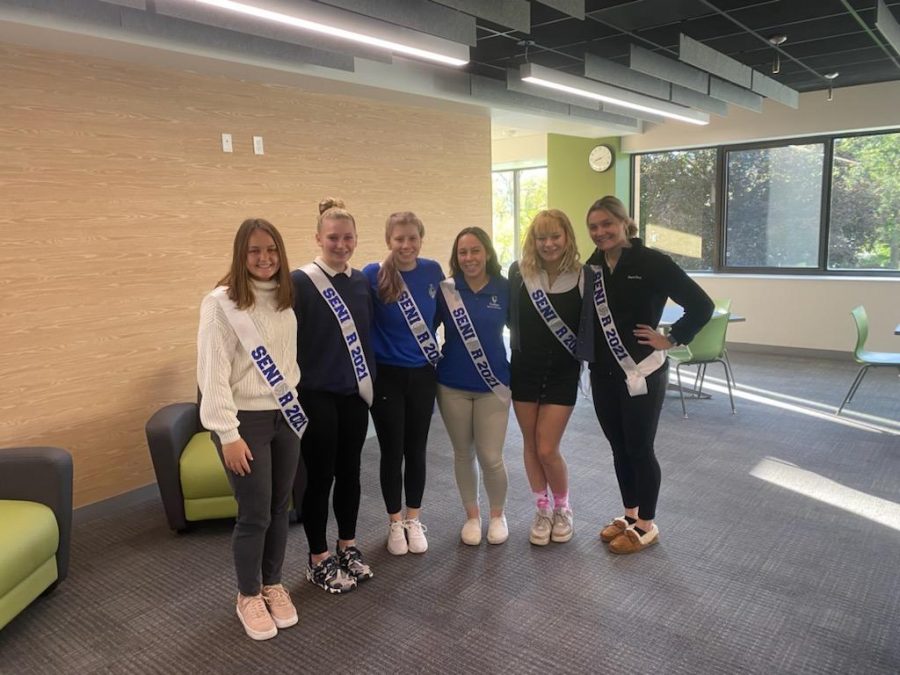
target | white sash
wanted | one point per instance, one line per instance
(417, 326)
(635, 373)
(249, 337)
(466, 330)
(547, 312)
(348, 329)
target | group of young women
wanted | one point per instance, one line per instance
(366, 341)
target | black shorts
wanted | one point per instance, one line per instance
(544, 379)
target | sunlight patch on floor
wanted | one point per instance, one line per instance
(827, 491)
(822, 411)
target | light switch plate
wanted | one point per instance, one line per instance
(258, 145)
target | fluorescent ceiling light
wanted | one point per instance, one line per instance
(452, 54)
(581, 86)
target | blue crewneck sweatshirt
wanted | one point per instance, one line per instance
(392, 341)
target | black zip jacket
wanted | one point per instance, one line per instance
(637, 291)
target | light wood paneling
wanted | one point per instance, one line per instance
(119, 209)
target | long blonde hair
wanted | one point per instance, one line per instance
(543, 223)
(390, 283)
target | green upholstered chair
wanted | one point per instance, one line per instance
(189, 473)
(708, 346)
(35, 524)
(191, 479)
(862, 356)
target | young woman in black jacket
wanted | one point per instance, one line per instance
(626, 288)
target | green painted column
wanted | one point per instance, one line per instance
(572, 186)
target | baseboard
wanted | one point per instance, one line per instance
(775, 350)
(107, 507)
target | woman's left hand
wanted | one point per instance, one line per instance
(647, 335)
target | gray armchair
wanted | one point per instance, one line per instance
(191, 479)
(35, 524)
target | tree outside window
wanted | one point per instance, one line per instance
(518, 195)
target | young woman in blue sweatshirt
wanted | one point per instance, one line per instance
(404, 295)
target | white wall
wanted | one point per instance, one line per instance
(808, 312)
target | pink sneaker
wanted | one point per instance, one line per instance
(282, 610)
(251, 610)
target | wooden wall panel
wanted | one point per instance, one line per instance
(119, 209)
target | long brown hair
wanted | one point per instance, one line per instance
(545, 222)
(617, 209)
(492, 267)
(390, 283)
(238, 279)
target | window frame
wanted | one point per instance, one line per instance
(719, 265)
(517, 228)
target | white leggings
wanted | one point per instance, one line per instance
(480, 419)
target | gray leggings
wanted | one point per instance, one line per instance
(476, 423)
(263, 497)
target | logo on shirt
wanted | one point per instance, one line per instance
(432, 291)
(494, 304)
(635, 276)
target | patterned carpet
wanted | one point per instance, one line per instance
(780, 541)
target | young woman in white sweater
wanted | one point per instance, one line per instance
(247, 372)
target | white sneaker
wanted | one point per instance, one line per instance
(471, 532)
(563, 526)
(541, 527)
(396, 541)
(498, 532)
(415, 532)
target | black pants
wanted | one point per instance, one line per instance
(404, 404)
(263, 497)
(331, 450)
(629, 423)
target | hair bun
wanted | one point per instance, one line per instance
(331, 203)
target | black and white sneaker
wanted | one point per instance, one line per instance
(329, 575)
(351, 561)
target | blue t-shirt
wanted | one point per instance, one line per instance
(392, 341)
(489, 311)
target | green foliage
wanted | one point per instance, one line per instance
(532, 198)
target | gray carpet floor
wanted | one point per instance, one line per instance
(779, 553)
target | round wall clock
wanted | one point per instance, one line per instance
(601, 158)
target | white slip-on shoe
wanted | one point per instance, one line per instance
(471, 532)
(498, 532)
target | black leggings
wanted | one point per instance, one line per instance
(404, 404)
(331, 449)
(629, 423)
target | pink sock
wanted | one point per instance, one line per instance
(561, 501)
(542, 499)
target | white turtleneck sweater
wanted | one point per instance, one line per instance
(228, 378)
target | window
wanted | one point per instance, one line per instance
(865, 204)
(774, 208)
(677, 210)
(827, 204)
(518, 194)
